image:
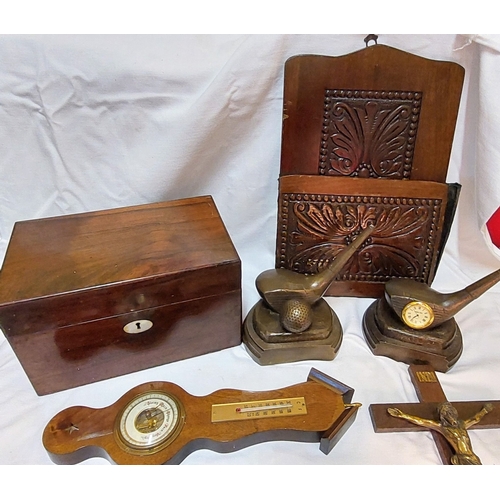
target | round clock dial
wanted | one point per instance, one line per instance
(149, 422)
(418, 315)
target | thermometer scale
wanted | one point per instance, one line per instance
(258, 409)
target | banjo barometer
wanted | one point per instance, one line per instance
(160, 423)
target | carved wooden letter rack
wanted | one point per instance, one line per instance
(363, 136)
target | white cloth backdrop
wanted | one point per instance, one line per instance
(97, 122)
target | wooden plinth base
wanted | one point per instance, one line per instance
(268, 344)
(386, 335)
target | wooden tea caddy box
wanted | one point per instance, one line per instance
(92, 296)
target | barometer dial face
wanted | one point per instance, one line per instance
(149, 422)
(418, 315)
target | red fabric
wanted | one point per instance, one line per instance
(493, 226)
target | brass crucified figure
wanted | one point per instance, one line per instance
(452, 428)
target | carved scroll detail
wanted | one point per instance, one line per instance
(315, 228)
(369, 133)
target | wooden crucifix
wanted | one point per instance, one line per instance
(428, 415)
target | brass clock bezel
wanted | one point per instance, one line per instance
(412, 305)
(127, 446)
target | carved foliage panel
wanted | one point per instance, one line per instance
(369, 133)
(314, 228)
